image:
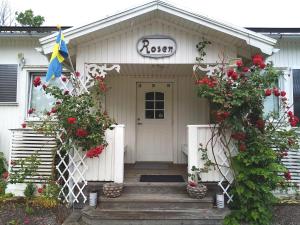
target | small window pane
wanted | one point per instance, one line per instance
(296, 91)
(149, 114)
(159, 105)
(149, 104)
(149, 96)
(159, 114)
(159, 96)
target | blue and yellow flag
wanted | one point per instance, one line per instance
(59, 54)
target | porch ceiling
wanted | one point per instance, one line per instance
(154, 70)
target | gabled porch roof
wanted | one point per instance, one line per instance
(263, 43)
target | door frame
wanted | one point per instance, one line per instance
(174, 112)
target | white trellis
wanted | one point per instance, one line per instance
(71, 166)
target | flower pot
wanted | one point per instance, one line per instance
(16, 189)
(220, 201)
(112, 190)
(198, 191)
(93, 199)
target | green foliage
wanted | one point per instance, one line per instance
(27, 18)
(24, 168)
(3, 164)
(261, 142)
(3, 185)
(29, 190)
(51, 190)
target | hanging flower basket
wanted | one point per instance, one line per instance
(112, 190)
(199, 191)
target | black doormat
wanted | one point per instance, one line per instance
(161, 178)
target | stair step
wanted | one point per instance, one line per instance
(154, 201)
(92, 216)
(155, 188)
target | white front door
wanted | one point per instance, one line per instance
(154, 122)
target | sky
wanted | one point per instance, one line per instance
(250, 13)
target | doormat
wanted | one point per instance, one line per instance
(161, 178)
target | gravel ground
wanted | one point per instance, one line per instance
(288, 214)
(13, 213)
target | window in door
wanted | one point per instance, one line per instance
(154, 105)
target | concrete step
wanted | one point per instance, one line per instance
(154, 201)
(92, 216)
(154, 188)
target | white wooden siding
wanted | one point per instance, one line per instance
(187, 109)
(120, 47)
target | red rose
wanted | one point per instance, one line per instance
(64, 79)
(276, 92)
(262, 65)
(58, 103)
(240, 136)
(242, 147)
(40, 190)
(71, 120)
(66, 92)
(245, 69)
(23, 125)
(268, 92)
(37, 81)
(234, 76)
(288, 175)
(257, 59)
(81, 132)
(282, 93)
(77, 74)
(44, 87)
(290, 113)
(94, 152)
(30, 111)
(5, 175)
(260, 124)
(53, 110)
(48, 113)
(239, 63)
(230, 72)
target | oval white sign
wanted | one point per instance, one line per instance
(156, 46)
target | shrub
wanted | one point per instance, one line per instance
(29, 190)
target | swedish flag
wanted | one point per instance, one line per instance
(59, 54)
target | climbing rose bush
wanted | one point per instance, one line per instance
(80, 116)
(259, 141)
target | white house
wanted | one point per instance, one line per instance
(153, 95)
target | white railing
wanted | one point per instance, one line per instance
(198, 135)
(110, 164)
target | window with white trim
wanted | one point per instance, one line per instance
(8, 83)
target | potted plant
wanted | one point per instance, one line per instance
(195, 188)
(112, 190)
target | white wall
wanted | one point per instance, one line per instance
(12, 116)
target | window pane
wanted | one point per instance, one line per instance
(159, 96)
(149, 104)
(159, 114)
(149, 96)
(149, 114)
(271, 104)
(159, 105)
(296, 91)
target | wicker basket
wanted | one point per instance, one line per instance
(197, 192)
(112, 190)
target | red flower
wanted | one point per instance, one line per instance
(58, 103)
(240, 136)
(245, 69)
(239, 63)
(48, 113)
(66, 92)
(290, 113)
(81, 132)
(94, 152)
(221, 116)
(268, 92)
(40, 190)
(30, 111)
(276, 92)
(282, 93)
(192, 184)
(257, 59)
(44, 87)
(242, 147)
(23, 125)
(262, 65)
(5, 175)
(71, 120)
(211, 82)
(77, 74)
(234, 76)
(294, 120)
(53, 110)
(64, 79)
(37, 81)
(230, 72)
(288, 175)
